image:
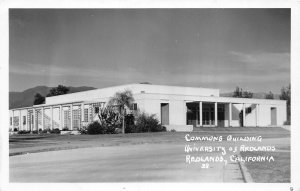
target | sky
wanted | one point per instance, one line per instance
(211, 48)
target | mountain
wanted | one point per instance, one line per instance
(259, 95)
(26, 98)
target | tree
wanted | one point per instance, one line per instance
(38, 99)
(242, 94)
(286, 95)
(122, 101)
(59, 90)
(270, 95)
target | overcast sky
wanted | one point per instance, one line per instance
(213, 48)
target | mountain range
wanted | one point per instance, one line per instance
(26, 97)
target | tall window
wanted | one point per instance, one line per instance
(86, 115)
(134, 106)
(24, 120)
(76, 118)
(96, 109)
(66, 118)
(10, 120)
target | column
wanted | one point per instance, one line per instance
(61, 116)
(230, 115)
(244, 116)
(200, 113)
(51, 120)
(20, 120)
(82, 114)
(71, 113)
(43, 118)
(34, 120)
(257, 115)
(13, 117)
(216, 114)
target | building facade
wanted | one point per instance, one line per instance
(178, 108)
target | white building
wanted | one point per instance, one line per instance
(179, 108)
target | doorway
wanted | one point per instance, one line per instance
(164, 110)
(273, 116)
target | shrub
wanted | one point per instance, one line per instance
(173, 130)
(288, 122)
(34, 132)
(131, 129)
(83, 130)
(148, 123)
(55, 131)
(40, 130)
(23, 132)
(15, 129)
(65, 129)
(45, 130)
(95, 128)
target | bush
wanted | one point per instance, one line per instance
(46, 131)
(15, 129)
(131, 129)
(35, 132)
(55, 131)
(148, 123)
(23, 132)
(173, 130)
(40, 130)
(95, 128)
(65, 129)
(83, 130)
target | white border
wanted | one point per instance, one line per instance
(295, 78)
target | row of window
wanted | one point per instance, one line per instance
(76, 115)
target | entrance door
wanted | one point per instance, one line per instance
(273, 116)
(208, 116)
(164, 107)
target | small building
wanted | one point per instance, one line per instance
(178, 108)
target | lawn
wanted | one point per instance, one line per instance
(278, 171)
(274, 172)
(22, 144)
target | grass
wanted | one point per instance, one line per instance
(278, 171)
(22, 144)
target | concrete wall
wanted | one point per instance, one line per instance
(135, 88)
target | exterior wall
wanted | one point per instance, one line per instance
(149, 99)
(135, 88)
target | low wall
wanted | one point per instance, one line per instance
(182, 128)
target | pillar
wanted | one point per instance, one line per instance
(71, 114)
(13, 122)
(216, 114)
(34, 120)
(200, 113)
(20, 120)
(61, 116)
(230, 115)
(244, 116)
(82, 114)
(51, 120)
(257, 115)
(43, 118)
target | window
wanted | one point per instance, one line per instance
(16, 121)
(10, 120)
(248, 110)
(24, 120)
(86, 115)
(134, 106)
(96, 109)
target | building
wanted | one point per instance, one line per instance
(179, 108)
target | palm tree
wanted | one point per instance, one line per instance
(122, 100)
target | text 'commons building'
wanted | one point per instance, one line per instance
(179, 108)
